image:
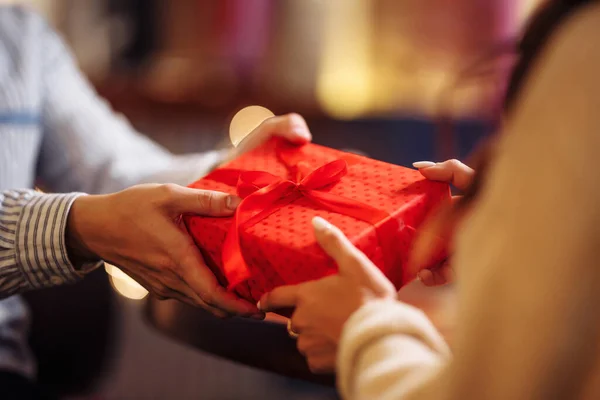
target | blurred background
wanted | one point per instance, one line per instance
(339, 58)
(373, 76)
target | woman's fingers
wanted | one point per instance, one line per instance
(280, 298)
(453, 172)
(350, 260)
(437, 276)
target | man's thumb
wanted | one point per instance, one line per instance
(202, 202)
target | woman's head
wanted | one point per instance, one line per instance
(537, 34)
(539, 30)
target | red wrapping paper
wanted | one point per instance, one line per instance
(278, 247)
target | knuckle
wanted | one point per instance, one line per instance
(294, 119)
(209, 201)
(165, 193)
(168, 189)
(205, 199)
(454, 163)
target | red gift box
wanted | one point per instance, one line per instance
(270, 241)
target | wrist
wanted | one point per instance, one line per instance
(80, 225)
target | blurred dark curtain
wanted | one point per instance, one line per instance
(143, 17)
(74, 334)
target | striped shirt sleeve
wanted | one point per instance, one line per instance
(81, 129)
(33, 252)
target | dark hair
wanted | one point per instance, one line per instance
(539, 30)
(537, 34)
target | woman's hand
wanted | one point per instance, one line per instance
(460, 176)
(139, 230)
(322, 307)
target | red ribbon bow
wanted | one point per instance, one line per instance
(264, 193)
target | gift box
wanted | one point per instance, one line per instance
(270, 242)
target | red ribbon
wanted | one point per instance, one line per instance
(264, 193)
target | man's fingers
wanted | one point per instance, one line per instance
(174, 288)
(450, 171)
(279, 298)
(185, 294)
(291, 127)
(200, 279)
(204, 284)
(181, 200)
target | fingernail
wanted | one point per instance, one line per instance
(320, 224)
(423, 164)
(232, 202)
(258, 305)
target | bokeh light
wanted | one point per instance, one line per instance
(345, 81)
(245, 121)
(124, 284)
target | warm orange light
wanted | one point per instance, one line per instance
(245, 121)
(345, 81)
(125, 285)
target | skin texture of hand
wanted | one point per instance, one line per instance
(322, 307)
(441, 225)
(139, 230)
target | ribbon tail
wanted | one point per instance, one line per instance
(252, 209)
(234, 266)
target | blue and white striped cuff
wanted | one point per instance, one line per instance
(41, 249)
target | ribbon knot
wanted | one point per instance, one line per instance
(264, 193)
(319, 179)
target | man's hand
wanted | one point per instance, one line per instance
(139, 231)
